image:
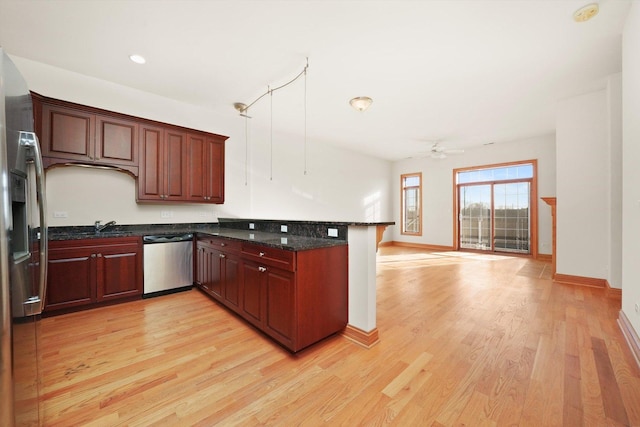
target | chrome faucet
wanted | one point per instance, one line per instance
(100, 227)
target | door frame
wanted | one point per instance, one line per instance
(533, 204)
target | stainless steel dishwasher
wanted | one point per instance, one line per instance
(168, 264)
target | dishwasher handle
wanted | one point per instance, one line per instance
(167, 238)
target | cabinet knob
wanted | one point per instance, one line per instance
(93, 255)
(222, 256)
(223, 244)
(99, 255)
(262, 254)
(262, 269)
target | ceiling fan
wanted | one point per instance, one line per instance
(439, 152)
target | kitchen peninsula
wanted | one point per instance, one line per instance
(293, 280)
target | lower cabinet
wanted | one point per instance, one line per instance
(218, 272)
(297, 298)
(93, 271)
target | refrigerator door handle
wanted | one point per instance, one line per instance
(29, 140)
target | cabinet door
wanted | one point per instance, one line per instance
(197, 168)
(119, 271)
(215, 273)
(232, 282)
(151, 176)
(71, 278)
(279, 318)
(175, 161)
(200, 265)
(205, 169)
(252, 301)
(215, 170)
(116, 141)
(67, 133)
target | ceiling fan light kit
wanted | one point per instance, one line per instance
(439, 152)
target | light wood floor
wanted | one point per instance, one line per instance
(466, 339)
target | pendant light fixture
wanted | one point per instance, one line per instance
(243, 109)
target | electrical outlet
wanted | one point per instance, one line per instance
(638, 308)
(283, 228)
(61, 214)
(252, 226)
(166, 214)
(332, 232)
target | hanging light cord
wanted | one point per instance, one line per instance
(246, 150)
(269, 91)
(305, 119)
(271, 143)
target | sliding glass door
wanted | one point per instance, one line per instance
(494, 209)
(511, 212)
(475, 217)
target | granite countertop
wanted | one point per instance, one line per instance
(283, 234)
(284, 241)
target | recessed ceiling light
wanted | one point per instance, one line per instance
(586, 12)
(138, 59)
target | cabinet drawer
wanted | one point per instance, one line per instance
(271, 256)
(221, 244)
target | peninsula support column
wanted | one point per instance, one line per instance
(362, 285)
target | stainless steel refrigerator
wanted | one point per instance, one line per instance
(23, 251)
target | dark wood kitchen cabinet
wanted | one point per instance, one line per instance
(90, 272)
(163, 154)
(170, 163)
(268, 300)
(70, 133)
(218, 270)
(205, 154)
(295, 297)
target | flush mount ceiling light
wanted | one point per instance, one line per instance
(361, 103)
(138, 59)
(586, 12)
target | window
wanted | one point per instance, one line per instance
(411, 203)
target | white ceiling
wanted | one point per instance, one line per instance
(462, 72)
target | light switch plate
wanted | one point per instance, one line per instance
(283, 228)
(60, 214)
(252, 226)
(332, 232)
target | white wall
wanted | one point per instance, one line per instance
(614, 106)
(437, 175)
(339, 184)
(631, 170)
(588, 184)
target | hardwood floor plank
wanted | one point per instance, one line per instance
(611, 397)
(465, 338)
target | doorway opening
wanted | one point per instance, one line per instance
(496, 208)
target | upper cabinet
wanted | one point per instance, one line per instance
(205, 154)
(171, 163)
(76, 135)
(163, 169)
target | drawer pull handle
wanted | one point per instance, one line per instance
(222, 256)
(262, 254)
(262, 269)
